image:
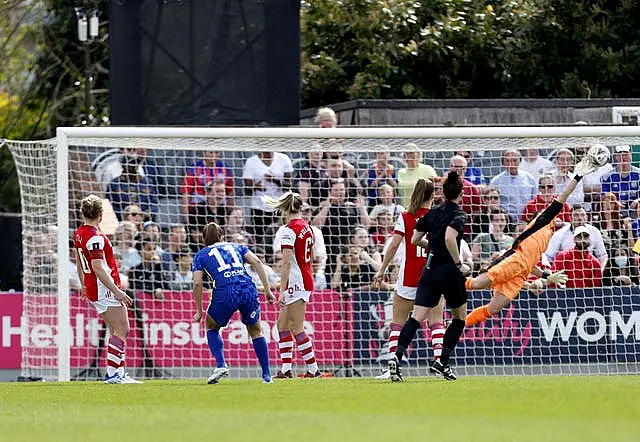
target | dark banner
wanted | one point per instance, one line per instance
(561, 326)
(205, 62)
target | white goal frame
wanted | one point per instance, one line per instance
(65, 133)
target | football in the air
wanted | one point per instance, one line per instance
(599, 154)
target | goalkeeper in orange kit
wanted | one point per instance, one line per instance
(508, 274)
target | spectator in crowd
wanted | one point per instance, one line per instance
(146, 167)
(351, 272)
(148, 276)
(408, 176)
(490, 202)
(563, 238)
(214, 208)
(380, 173)
(535, 164)
(337, 217)
(198, 175)
(176, 244)
(438, 194)
(265, 174)
(485, 246)
(386, 203)
(472, 174)
(591, 183)
(382, 229)
(124, 243)
(319, 248)
(471, 202)
(326, 118)
(623, 269)
(607, 220)
(124, 279)
(582, 268)
(335, 170)
(274, 278)
(564, 166)
(153, 230)
(133, 213)
(132, 188)
(360, 239)
(516, 186)
(624, 179)
(309, 172)
(234, 224)
(181, 276)
(634, 219)
(546, 193)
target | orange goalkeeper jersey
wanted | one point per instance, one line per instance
(533, 241)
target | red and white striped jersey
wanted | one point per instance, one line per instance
(91, 244)
(297, 235)
(412, 258)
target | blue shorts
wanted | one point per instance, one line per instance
(226, 300)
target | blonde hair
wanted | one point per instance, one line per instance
(91, 207)
(326, 114)
(289, 202)
(422, 192)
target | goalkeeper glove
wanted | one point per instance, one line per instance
(584, 167)
(558, 279)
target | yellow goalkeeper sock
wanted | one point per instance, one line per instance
(478, 315)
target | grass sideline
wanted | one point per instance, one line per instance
(478, 409)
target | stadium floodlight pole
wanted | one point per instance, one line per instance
(64, 337)
(88, 31)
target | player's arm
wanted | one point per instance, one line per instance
(450, 242)
(419, 239)
(287, 256)
(258, 267)
(197, 294)
(396, 239)
(97, 265)
(420, 231)
(79, 269)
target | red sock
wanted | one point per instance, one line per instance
(285, 345)
(393, 337)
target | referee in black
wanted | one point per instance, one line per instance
(443, 275)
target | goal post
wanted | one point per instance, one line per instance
(574, 331)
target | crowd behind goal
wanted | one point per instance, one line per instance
(353, 202)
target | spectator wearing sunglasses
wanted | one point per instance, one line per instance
(546, 193)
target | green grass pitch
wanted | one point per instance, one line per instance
(472, 409)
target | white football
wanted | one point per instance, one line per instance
(599, 154)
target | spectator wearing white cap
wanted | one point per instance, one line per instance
(563, 238)
(624, 179)
(581, 267)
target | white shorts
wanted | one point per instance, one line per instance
(291, 296)
(105, 300)
(102, 305)
(408, 293)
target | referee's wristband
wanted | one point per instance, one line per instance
(458, 264)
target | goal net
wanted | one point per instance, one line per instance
(160, 186)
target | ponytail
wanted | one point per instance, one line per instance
(289, 202)
(422, 193)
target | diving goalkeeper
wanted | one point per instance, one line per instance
(508, 274)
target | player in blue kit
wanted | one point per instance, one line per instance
(223, 262)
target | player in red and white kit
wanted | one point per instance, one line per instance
(296, 284)
(412, 261)
(98, 271)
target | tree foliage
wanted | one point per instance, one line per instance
(469, 49)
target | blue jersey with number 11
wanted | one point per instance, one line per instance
(224, 263)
